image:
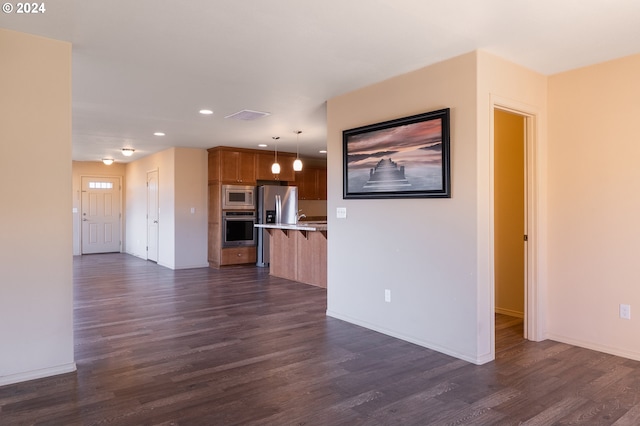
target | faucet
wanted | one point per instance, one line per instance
(300, 216)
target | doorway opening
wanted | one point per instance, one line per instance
(509, 227)
(513, 195)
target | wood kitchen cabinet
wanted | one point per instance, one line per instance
(312, 183)
(299, 256)
(238, 255)
(286, 167)
(232, 165)
(263, 166)
(264, 161)
(214, 225)
(237, 167)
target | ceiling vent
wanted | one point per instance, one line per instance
(247, 115)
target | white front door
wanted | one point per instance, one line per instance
(153, 215)
(100, 215)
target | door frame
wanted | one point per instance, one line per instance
(533, 318)
(121, 236)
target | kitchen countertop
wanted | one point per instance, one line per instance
(300, 226)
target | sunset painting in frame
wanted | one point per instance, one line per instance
(402, 158)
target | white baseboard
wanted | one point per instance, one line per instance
(594, 346)
(479, 360)
(193, 266)
(37, 374)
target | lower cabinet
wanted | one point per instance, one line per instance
(237, 255)
(299, 256)
(311, 254)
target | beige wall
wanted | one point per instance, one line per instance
(504, 84)
(191, 177)
(93, 168)
(182, 174)
(509, 217)
(136, 199)
(594, 206)
(36, 305)
(423, 250)
(435, 255)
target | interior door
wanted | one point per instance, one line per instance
(153, 215)
(101, 215)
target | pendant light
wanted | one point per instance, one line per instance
(275, 167)
(297, 164)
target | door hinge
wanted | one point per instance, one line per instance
(526, 237)
(147, 248)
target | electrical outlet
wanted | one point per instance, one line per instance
(387, 296)
(625, 311)
(341, 212)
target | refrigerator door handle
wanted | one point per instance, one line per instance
(278, 209)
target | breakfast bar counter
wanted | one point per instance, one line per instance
(298, 252)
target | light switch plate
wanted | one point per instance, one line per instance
(625, 311)
(341, 212)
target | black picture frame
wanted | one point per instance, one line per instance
(402, 158)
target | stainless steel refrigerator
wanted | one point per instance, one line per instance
(276, 204)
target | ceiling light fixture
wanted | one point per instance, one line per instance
(297, 164)
(128, 152)
(158, 134)
(262, 145)
(275, 167)
(323, 151)
(107, 161)
(205, 112)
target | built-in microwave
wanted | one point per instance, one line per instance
(238, 197)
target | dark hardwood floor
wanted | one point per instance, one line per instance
(238, 347)
(509, 332)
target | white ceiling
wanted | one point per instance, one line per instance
(141, 66)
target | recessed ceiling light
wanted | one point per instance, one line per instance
(206, 112)
(323, 151)
(262, 145)
(158, 134)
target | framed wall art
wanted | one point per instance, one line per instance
(403, 158)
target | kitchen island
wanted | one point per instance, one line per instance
(298, 252)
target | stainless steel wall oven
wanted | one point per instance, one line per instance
(238, 228)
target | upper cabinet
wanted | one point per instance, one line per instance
(229, 165)
(237, 167)
(247, 166)
(264, 161)
(312, 183)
